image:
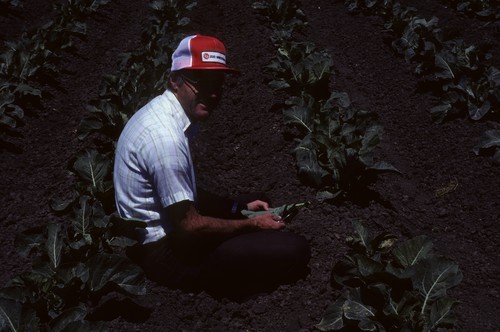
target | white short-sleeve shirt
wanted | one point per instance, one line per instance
(153, 166)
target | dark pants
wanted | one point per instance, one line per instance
(235, 268)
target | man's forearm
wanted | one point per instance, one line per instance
(197, 224)
(188, 222)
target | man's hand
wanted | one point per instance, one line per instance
(268, 221)
(258, 205)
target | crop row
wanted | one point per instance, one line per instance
(335, 142)
(33, 59)
(460, 74)
(462, 71)
(77, 262)
(484, 9)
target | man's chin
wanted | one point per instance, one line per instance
(203, 111)
(202, 115)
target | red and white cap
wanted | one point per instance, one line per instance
(200, 52)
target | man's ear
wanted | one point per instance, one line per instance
(174, 81)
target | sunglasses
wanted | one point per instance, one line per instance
(204, 83)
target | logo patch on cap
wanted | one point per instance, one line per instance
(213, 57)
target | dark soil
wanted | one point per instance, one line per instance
(243, 148)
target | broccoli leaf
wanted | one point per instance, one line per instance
(107, 269)
(433, 277)
(413, 250)
(333, 317)
(92, 167)
(16, 317)
(54, 243)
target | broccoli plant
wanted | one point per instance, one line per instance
(387, 286)
(299, 67)
(336, 151)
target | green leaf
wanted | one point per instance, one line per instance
(300, 111)
(476, 113)
(340, 99)
(16, 112)
(412, 251)
(77, 28)
(320, 66)
(404, 308)
(92, 167)
(363, 236)
(10, 113)
(99, 217)
(26, 241)
(80, 272)
(106, 270)
(369, 325)
(433, 277)
(333, 317)
(279, 84)
(440, 112)
(54, 243)
(61, 322)
(60, 205)
(490, 141)
(441, 313)
(89, 125)
(383, 166)
(337, 156)
(366, 266)
(356, 310)
(494, 77)
(6, 98)
(7, 120)
(45, 271)
(15, 292)
(300, 115)
(25, 89)
(16, 317)
(325, 195)
(121, 241)
(82, 214)
(370, 141)
(97, 3)
(307, 162)
(446, 71)
(490, 138)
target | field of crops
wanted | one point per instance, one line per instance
(383, 114)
